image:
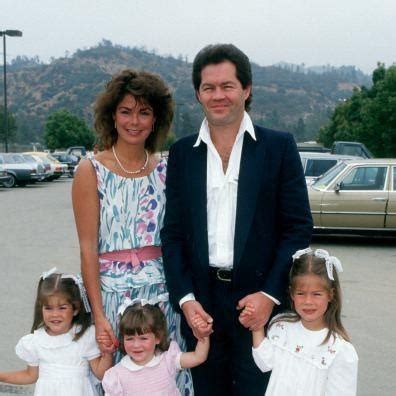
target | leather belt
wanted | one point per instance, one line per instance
(221, 274)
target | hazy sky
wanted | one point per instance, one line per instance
(314, 32)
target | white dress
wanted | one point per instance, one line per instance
(301, 366)
(63, 363)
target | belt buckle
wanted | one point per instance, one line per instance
(219, 276)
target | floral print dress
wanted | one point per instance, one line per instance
(131, 216)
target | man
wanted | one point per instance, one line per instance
(237, 209)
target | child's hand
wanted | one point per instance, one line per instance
(248, 310)
(197, 321)
(105, 343)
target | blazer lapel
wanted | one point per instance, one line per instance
(250, 175)
(197, 165)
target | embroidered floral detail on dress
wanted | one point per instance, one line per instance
(323, 362)
(299, 348)
(281, 325)
(329, 348)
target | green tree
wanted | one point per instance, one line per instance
(63, 129)
(12, 125)
(369, 116)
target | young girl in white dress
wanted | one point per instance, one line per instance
(308, 349)
(62, 345)
(151, 362)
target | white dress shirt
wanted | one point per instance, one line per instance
(221, 197)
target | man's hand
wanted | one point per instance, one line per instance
(199, 321)
(257, 309)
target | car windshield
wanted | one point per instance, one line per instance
(52, 158)
(29, 158)
(325, 180)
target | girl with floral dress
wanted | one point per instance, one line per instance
(308, 349)
(119, 200)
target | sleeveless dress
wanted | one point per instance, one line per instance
(63, 362)
(131, 216)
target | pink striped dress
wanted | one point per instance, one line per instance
(156, 378)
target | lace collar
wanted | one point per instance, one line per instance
(49, 341)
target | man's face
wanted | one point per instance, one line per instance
(221, 95)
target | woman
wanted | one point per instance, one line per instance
(119, 201)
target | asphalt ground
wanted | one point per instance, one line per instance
(37, 233)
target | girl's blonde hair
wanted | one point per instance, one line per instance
(53, 285)
(308, 264)
(140, 319)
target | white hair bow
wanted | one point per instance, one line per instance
(77, 280)
(299, 253)
(152, 301)
(330, 261)
(46, 274)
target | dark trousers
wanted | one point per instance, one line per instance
(230, 369)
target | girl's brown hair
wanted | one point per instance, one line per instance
(308, 264)
(147, 88)
(140, 319)
(53, 285)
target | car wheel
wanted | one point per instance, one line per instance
(11, 182)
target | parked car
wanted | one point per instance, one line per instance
(351, 148)
(57, 168)
(356, 197)
(38, 165)
(20, 171)
(70, 160)
(48, 171)
(315, 164)
(4, 177)
(77, 151)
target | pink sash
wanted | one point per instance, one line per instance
(134, 256)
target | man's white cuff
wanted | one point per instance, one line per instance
(187, 297)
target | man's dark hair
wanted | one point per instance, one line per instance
(217, 53)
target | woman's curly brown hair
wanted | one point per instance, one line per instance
(147, 88)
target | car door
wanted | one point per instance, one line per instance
(390, 221)
(357, 200)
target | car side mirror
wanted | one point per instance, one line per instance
(338, 187)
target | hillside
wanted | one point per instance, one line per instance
(284, 96)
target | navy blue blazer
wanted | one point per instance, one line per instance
(273, 217)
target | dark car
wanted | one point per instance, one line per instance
(4, 177)
(20, 171)
(70, 160)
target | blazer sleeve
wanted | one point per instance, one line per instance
(177, 273)
(294, 219)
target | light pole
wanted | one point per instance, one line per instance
(4, 33)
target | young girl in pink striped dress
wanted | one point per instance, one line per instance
(151, 361)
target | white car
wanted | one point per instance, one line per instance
(315, 164)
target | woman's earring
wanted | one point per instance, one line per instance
(115, 125)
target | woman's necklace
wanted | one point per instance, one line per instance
(131, 172)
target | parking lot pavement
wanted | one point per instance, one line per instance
(38, 233)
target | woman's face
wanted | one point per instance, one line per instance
(134, 120)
